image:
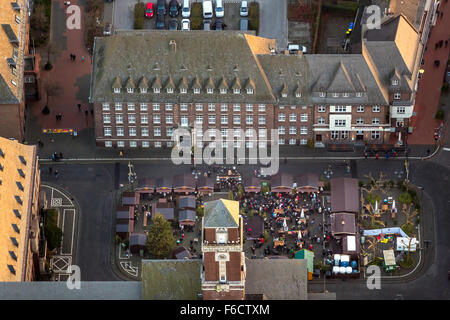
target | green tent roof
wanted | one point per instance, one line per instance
(308, 256)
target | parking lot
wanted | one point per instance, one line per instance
(273, 17)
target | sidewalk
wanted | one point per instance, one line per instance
(83, 147)
(69, 79)
(429, 90)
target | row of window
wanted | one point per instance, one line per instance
(236, 144)
(344, 109)
(224, 119)
(118, 106)
(185, 90)
(293, 117)
(342, 135)
(262, 133)
(337, 95)
(184, 119)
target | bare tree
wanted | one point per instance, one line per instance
(409, 212)
(52, 89)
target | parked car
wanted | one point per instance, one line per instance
(219, 9)
(161, 7)
(243, 24)
(107, 30)
(173, 8)
(207, 24)
(173, 24)
(218, 25)
(207, 9)
(186, 10)
(185, 25)
(149, 10)
(244, 9)
(295, 48)
(160, 23)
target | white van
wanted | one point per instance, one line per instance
(207, 9)
(186, 10)
(219, 9)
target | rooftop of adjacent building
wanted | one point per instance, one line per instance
(17, 162)
(13, 15)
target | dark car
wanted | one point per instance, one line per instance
(219, 25)
(173, 8)
(160, 24)
(173, 24)
(161, 7)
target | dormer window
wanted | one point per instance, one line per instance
(196, 90)
(298, 95)
(322, 94)
(345, 95)
(116, 90)
(395, 82)
(223, 91)
(335, 95)
(183, 90)
(397, 95)
(236, 91)
(130, 90)
(209, 90)
(156, 90)
(359, 94)
(169, 90)
(143, 90)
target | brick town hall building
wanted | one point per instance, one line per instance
(145, 84)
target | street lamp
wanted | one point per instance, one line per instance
(328, 173)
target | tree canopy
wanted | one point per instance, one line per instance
(160, 239)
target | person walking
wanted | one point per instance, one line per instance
(365, 154)
(56, 174)
(82, 58)
(79, 107)
(376, 156)
(60, 155)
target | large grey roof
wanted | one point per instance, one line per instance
(198, 54)
(217, 215)
(289, 70)
(277, 279)
(171, 279)
(57, 290)
(342, 73)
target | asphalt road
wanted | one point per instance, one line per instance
(92, 187)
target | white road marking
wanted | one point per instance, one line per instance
(446, 149)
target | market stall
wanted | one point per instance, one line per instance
(389, 263)
(164, 185)
(282, 183)
(308, 182)
(184, 183)
(252, 184)
(205, 185)
(146, 186)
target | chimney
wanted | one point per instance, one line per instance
(173, 46)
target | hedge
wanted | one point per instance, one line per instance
(253, 21)
(40, 30)
(196, 16)
(139, 15)
(342, 7)
(439, 114)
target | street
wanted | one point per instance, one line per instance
(97, 216)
